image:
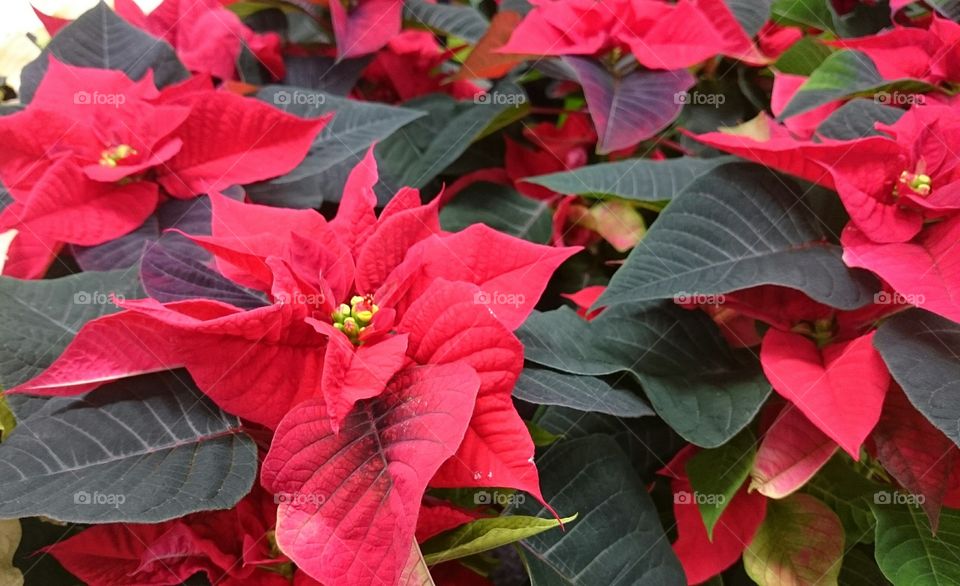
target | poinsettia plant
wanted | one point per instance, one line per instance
(554, 292)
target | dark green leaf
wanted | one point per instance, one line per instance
(736, 227)
(848, 74)
(920, 350)
(693, 380)
(101, 39)
(422, 150)
(39, 318)
(617, 539)
(143, 449)
(336, 150)
(751, 14)
(857, 119)
(584, 393)
(634, 179)
(501, 208)
(803, 57)
(460, 21)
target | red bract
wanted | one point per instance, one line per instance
(888, 184)
(930, 54)
(822, 360)
(387, 343)
(95, 152)
(703, 557)
(364, 26)
(409, 66)
(661, 35)
(229, 547)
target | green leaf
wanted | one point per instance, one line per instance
(460, 21)
(502, 208)
(584, 393)
(909, 554)
(860, 569)
(7, 420)
(635, 179)
(540, 436)
(337, 149)
(484, 535)
(799, 542)
(849, 495)
(803, 57)
(736, 227)
(811, 13)
(140, 450)
(649, 442)
(751, 14)
(948, 8)
(719, 473)
(702, 389)
(857, 119)
(10, 534)
(919, 349)
(617, 540)
(422, 150)
(848, 74)
(39, 318)
(100, 39)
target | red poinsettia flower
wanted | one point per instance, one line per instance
(95, 152)
(387, 350)
(661, 35)
(207, 37)
(822, 360)
(409, 66)
(930, 54)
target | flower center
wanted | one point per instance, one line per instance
(820, 330)
(918, 181)
(354, 318)
(111, 156)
